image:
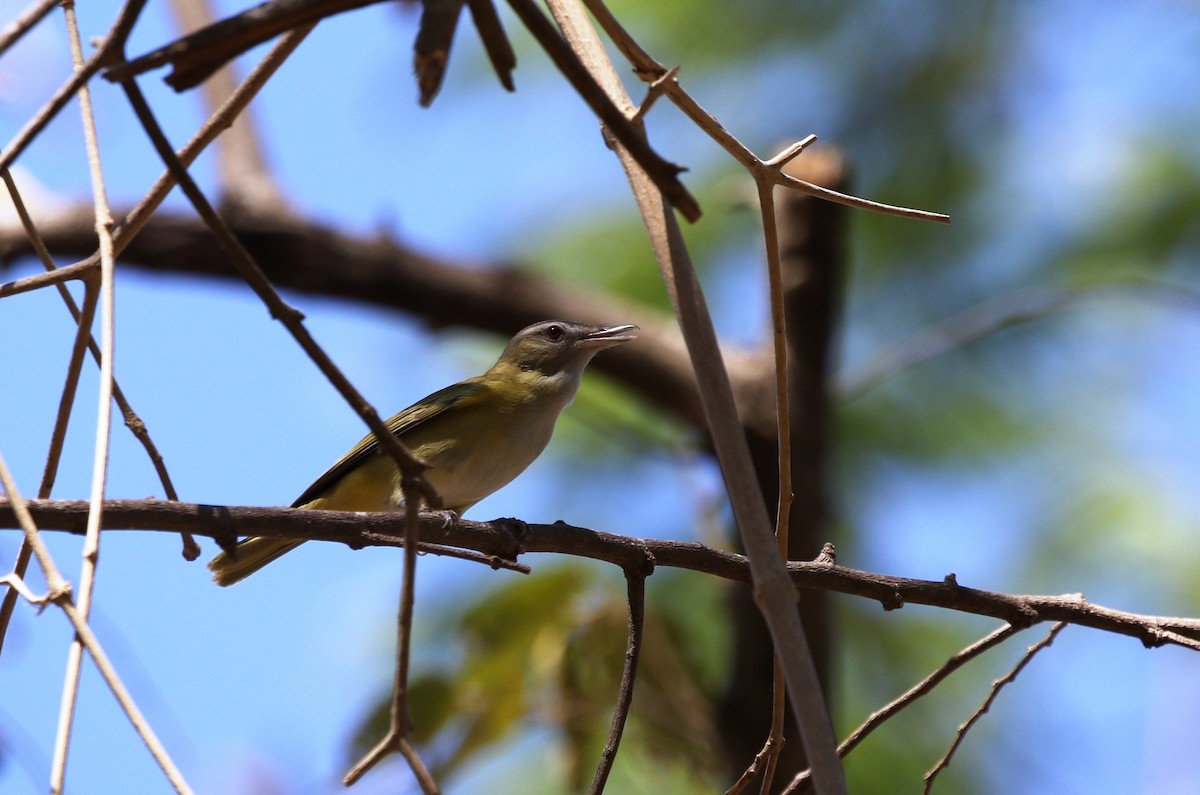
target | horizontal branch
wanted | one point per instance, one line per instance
(508, 538)
(295, 254)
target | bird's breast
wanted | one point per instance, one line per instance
(485, 451)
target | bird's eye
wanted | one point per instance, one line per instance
(554, 333)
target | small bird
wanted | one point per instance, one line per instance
(476, 435)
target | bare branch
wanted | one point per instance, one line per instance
(996, 314)
(997, 685)
(105, 296)
(635, 581)
(397, 739)
(504, 539)
(910, 696)
(650, 70)
(24, 22)
(296, 252)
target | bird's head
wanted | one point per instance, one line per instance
(559, 347)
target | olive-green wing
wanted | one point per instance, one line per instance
(464, 392)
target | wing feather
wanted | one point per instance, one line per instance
(462, 394)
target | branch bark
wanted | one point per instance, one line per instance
(509, 538)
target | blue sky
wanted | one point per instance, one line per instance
(254, 689)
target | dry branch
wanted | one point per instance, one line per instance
(993, 692)
(507, 539)
(636, 597)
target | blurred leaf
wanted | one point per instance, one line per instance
(549, 648)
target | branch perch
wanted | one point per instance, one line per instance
(495, 538)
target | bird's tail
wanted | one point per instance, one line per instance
(250, 556)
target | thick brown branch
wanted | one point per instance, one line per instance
(506, 538)
(296, 254)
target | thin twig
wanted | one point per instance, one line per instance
(112, 44)
(91, 543)
(766, 203)
(66, 401)
(635, 586)
(997, 685)
(770, 751)
(59, 593)
(80, 270)
(24, 22)
(886, 712)
(396, 740)
(491, 561)
(57, 437)
(221, 120)
(774, 593)
(83, 333)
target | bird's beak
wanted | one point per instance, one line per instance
(607, 337)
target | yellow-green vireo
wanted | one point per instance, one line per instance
(476, 435)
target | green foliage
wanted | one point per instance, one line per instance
(547, 650)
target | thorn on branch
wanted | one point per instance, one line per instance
(787, 155)
(1154, 637)
(828, 554)
(655, 91)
